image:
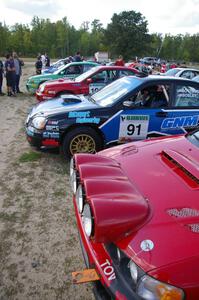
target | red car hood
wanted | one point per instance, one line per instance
(166, 172)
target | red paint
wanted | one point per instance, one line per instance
(117, 182)
(73, 87)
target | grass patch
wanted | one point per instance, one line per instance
(30, 157)
(8, 217)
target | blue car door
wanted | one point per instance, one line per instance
(142, 120)
(183, 115)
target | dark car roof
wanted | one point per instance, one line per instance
(163, 78)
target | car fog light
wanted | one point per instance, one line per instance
(87, 220)
(80, 198)
(133, 271)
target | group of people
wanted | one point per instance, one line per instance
(11, 70)
(43, 61)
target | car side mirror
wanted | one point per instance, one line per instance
(128, 103)
(89, 80)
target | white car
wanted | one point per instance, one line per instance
(182, 72)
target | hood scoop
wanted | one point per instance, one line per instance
(185, 167)
(70, 99)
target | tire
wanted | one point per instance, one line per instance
(81, 140)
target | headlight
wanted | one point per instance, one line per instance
(87, 220)
(133, 271)
(73, 181)
(152, 289)
(80, 198)
(39, 122)
(71, 166)
(42, 87)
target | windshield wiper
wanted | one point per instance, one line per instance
(91, 99)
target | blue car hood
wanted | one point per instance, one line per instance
(62, 104)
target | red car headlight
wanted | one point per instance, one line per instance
(151, 289)
(87, 220)
(80, 198)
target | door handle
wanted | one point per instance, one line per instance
(161, 114)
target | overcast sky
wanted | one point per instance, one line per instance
(163, 16)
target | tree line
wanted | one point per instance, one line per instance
(126, 34)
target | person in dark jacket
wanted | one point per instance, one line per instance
(47, 60)
(77, 57)
(9, 69)
(38, 65)
(1, 77)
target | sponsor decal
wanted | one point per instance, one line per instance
(48, 135)
(88, 120)
(51, 122)
(79, 114)
(134, 118)
(188, 121)
(52, 128)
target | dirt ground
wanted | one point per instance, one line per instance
(39, 246)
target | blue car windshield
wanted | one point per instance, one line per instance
(110, 94)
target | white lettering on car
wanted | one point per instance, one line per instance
(108, 270)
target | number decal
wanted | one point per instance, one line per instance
(95, 87)
(133, 127)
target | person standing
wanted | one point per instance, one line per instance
(38, 65)
(8, 73)
(47, 60)
(77, 57)
(17, 64)
(43, 60)
(119, 61)
(13, 73)
(1, 77)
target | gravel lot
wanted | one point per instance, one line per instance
(39, 244)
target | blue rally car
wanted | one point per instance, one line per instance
(131, 108)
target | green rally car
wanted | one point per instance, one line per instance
(70, 70)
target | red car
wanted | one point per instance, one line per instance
(137, 210)
(87, 83)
